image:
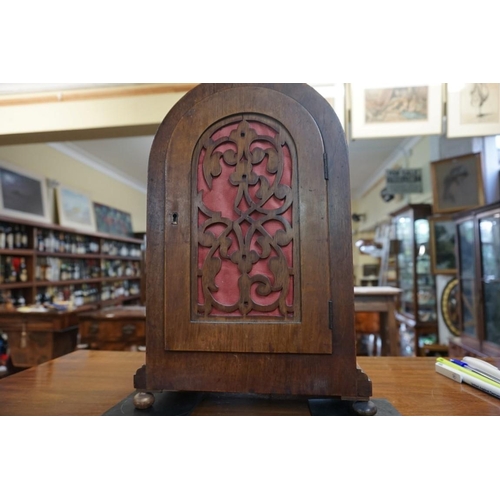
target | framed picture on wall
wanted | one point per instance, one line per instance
(23, 195)
(395, 110)
(473, 109)
(457, 183)
(75, 209)
(113, 221)
(334, 93)
(442, 239)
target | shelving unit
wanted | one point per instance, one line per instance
(38, 337)
(417, 310)
(31, 288)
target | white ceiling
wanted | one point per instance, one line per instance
(130, 155)
(24, 88)
(127, 158)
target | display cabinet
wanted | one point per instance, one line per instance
(67, 271)
(478, 256)
(417, 310)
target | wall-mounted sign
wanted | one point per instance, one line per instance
(404, 181)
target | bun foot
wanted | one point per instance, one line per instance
(364, 408)
(143, 400)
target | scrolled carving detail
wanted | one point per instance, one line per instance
(245, 174)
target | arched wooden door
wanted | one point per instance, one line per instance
(250, 283)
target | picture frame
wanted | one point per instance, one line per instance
(113, 221)
(473, 109)
(457, 183)
(74, 209)
(395, 110)
(335, 94)
(23, 195)
(442, 241)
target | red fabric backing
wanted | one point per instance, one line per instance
(221, 198)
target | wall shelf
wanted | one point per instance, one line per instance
(32, 256)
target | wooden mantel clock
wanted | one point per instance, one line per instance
(250, 274)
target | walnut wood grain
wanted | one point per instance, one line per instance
(313, 354)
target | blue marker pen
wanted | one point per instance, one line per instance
(463, 364)
(460, 363)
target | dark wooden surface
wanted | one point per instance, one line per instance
(253, 355)
(92, 382)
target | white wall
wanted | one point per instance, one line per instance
(52, 164)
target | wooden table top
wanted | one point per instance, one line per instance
(91, 382)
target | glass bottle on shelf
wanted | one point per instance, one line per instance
(24, 237)
(6, 270)
(62, 243)
(23, 271)
(40, 244)
(67, 243)
(9, 238)
(48, 242)
(74, 244)
(21, 301)
(13, 271)
(17, 237)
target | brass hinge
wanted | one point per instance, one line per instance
(325, 165)
(330, 315)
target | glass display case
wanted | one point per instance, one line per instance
(478, 249)
(417, 307)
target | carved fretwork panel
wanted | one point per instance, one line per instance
(246, 208)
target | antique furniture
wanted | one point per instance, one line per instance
(478, 261)
(115, 329)
(35, 338)
(381, 300)
(91, 382)
(249, 237)
(417, 309)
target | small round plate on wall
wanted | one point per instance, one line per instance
(449, 306)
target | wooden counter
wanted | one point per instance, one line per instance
(91, 382)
